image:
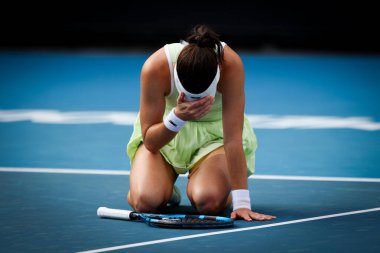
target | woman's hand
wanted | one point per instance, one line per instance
(193, 110)
(249, 215)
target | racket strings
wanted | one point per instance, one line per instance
(190, 222)
(195, 220)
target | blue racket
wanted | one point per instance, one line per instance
(167, 220)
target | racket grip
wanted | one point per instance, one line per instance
(105, 212)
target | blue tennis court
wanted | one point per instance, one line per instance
(66, 118)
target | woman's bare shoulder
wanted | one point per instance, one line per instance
(232, 71)
(231, 58)
(156, 62)
(156, 68)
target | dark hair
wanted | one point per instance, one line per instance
(198, 61)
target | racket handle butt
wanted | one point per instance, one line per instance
(105, 212)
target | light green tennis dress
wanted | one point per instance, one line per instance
(197, 138)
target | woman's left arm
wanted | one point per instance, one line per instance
(232, 88)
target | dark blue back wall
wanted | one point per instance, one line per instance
(260, 25)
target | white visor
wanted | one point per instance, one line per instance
(211, 90)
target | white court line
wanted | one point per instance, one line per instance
(127, 172)
(312, 178)
(64, 171)
(262, 121)
(134, 245)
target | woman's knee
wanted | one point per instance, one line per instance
(148, 202)
(211, 202)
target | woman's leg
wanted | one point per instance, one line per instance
(209, 184)
(151, 181)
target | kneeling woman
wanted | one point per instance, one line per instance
(192, 120)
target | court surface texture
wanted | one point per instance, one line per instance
(66, 118)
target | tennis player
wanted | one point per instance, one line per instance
(192, 120)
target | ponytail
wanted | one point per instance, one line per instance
(203, 36)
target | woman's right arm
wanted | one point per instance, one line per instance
(155, 85)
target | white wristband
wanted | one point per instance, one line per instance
(173, 123)
(241, 199)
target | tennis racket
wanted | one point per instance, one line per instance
(169, 220)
